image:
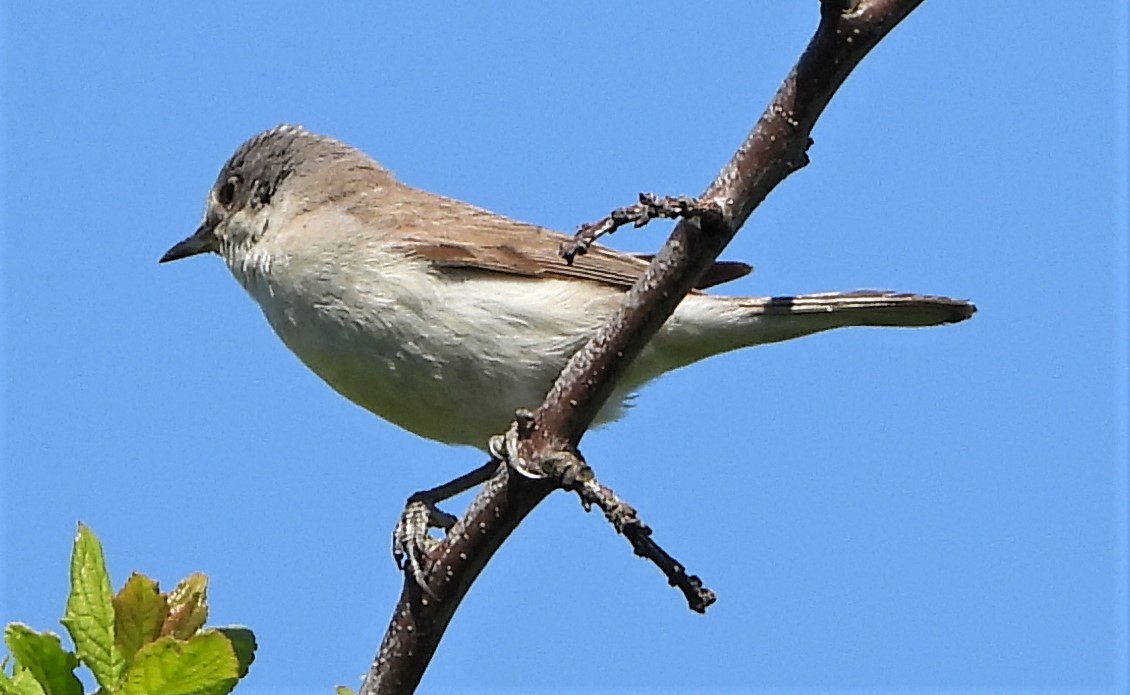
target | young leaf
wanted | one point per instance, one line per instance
(188, 607)
(90, 614)
(243, 642)
(203, 665)
(22, 683)
(43, 656)
(139, 612)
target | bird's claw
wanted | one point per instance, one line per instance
(411, 541)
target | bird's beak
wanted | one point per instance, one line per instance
(202, 240)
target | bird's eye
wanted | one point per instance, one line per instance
(225, 194)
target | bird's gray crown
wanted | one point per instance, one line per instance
(250, 179)
(254, 173)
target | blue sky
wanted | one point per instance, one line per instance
(941, 509)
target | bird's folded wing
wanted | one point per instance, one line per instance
(463, 236)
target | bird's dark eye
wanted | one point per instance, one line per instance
(225, 194)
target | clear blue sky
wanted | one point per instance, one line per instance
(887, 509)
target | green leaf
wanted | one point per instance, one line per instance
(243, 642)
(41, 655)
(139, 612)
(22, 683)
(203, 665)
(188, 607)
(90, 613)
(342, 690)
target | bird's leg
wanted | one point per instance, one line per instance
(567, 470)
(411, 540)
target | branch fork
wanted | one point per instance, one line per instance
(567, 470)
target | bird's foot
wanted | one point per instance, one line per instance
(411, 540)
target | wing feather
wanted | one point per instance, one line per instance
(463, 236)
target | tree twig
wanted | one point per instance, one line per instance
(776, 147)
(626, 521)
(650, 207)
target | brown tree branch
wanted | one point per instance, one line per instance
(776, 147)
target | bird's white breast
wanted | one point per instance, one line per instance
(446, 355)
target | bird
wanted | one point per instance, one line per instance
(444, 318)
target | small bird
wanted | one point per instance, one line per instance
(444, 318)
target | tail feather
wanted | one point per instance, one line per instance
(706, 325)
(866, 308)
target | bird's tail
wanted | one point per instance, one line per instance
(706, 325)
(793, 317)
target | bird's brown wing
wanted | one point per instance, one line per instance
(463, 236)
